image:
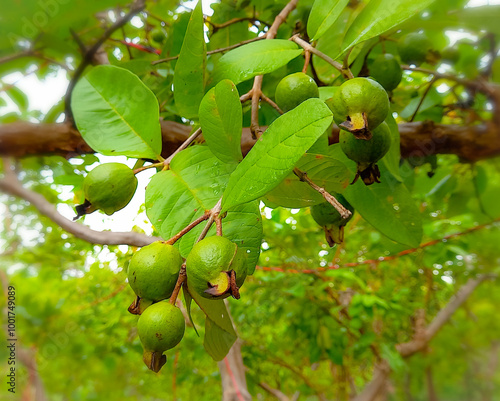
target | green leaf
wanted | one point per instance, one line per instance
(221, 121)
(194, 183)
(117, 114)
(323, 15)
(18, 97)
(189, 75)
(432, 98)
(388, 206)
(392, 158)
(379, 16)
(276, 152)
(324, 171)
(219, 331)
(256, 58)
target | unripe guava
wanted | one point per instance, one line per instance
(153, 271)
(330, 219)
(386, 70)
(367, 153)
(216, 268)
(158, 35)
(359, 106)
(295, 89)
(160, 327)
(414, 47)
(109, 187)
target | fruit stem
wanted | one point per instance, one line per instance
(178, 284)
(188, 228)
(344, 213)
(138, 170)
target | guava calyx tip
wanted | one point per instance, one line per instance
(154, 360)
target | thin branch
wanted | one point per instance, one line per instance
(188, 228)
(344, 213)
(274, 392)
(307, 47)
(12, 186)
(183, 146)
(382, 371)
(257, 83)
(234, 21)
(135, 8)
(371, 262)
(426, 92)
(210, 52)
(178, 285)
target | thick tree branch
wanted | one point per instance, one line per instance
(12, 186)
(469, 143)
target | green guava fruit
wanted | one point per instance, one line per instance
(153, 271)
(161, 327)
(367, 153)
(109, 187)
(359, 106)
(158, 35)
(414, 48)
(386, 70)
(216, 268)
(330, 219)
(294, 89)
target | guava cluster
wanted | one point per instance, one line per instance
(215, 268)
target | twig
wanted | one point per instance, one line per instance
(183, 146)
(381, 258)
(210, 52)
(426, 92)
(188, 228)
(12, 186)
(218, 224)
(307, 59)
(271, 103)
(180, 280)
(254, 115)
(135, 7)
(307, 46)
(257, 83)
(233, 21)
(383, 370)
(344, 213)
(139, 169)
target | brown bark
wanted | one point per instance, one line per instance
(469, 143)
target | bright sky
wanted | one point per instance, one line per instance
(43, 94)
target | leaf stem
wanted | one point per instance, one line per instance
(344, 213)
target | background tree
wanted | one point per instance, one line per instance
(313, 322)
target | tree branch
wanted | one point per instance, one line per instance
(423, 138)
(12, 186)
(383, 370)
(135, 8)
